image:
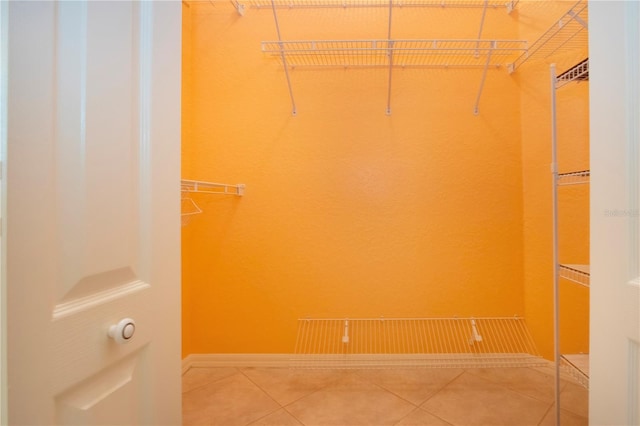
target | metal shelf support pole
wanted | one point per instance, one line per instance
(484, 14)
(556, 262)
(294, 110)
(388, 111)
(476, 108)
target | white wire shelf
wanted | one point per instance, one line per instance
(414, 342)
(397, 53)
(574, 178)
(196, 186)
(579, 274)
(344, 4)
(577, 365)
(189, 208)
(579, 72)
(569, 33)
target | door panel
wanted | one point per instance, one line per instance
(93, 212)
(614, 85)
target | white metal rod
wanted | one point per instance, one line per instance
(484, 13)
(284, 59)
(476, 110)
(323, 4)
(556, 263)
(388, 112)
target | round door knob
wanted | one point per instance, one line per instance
(123, 331)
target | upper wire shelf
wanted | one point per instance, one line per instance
(212, 188)
(579, 72)
(344, 4)
(189, 208)
(574, 178)
(569, 33)
(397, 53)
(579, 274)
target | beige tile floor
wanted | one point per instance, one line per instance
(433, 396)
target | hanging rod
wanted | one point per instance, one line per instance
(451, 53)
(509, 6)
(569, 33)
(196, 186)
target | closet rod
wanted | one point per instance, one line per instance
(196, 186)
(509, 6)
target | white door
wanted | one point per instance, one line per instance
(93, 151)
(614, 45)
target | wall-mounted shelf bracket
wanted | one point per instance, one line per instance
(240, 7)
(511, 5)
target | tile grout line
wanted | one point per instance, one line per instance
(211, 382)
(440, 390)
(510, 388)
(422, 409)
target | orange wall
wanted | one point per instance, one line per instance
(533, 80)
(349, 212)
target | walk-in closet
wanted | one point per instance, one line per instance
(386, 193)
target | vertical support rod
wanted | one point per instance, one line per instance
(284, 59)
(556, 263)
(476, 108)
(484, 14)
(388, 112)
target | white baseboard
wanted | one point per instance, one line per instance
(362, 361)
(236, 360)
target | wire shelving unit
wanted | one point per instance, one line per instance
(575, 364)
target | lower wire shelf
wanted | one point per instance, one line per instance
(579, 274)
(577, 366)
(414, 342)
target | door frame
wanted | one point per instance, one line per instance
(4, 48)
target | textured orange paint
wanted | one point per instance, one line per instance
(349, 212)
